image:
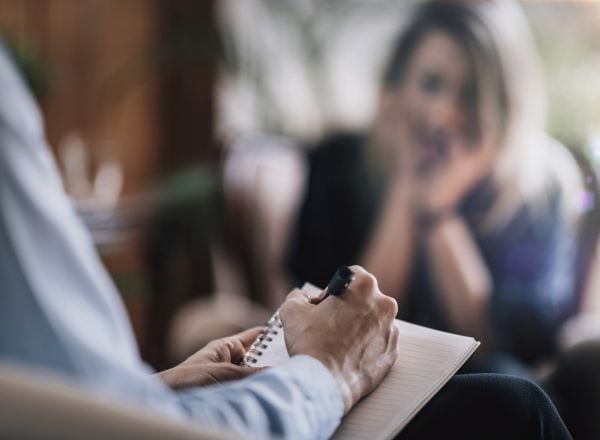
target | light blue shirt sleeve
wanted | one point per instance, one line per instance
(60, 312)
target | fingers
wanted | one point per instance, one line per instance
(229, 349)
(365, 289)
(388, 307)
(393, 340)
(317, 299)
(481, 152)
(296, 302)
(364, 285)
(298, 295)
(357, 270)
(233, 348)
(247, 337)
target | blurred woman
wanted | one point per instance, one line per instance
(457, 200)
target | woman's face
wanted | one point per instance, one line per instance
(436, 100)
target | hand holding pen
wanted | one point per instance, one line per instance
(354, 337)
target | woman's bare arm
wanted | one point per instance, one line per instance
(460, 275)
(390, 251)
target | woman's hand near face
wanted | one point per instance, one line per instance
(442, 187)
(395, 155)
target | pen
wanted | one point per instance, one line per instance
(339, 282)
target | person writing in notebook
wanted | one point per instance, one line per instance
(358, 356)
(60, 313)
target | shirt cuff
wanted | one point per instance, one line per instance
(319, 387)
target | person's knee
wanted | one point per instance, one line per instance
(576, 378)
(576, 385)
(515, 402)
(581, 365)
(534, 410)
(534, 399)
(516, 395)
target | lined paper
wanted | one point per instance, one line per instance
(427, 359)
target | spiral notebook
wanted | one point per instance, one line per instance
(427, 359)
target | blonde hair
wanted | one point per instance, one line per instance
(529, 159)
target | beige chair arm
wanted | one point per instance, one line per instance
(35, 406)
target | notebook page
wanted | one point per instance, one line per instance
(427, 359)
(274, 352)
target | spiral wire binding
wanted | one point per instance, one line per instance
(271, 328)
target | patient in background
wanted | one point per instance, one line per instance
(456, 199)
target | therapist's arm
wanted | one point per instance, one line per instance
(60, 312)
(299, 399)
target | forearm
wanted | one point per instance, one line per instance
(460, 276)
(389, 254)
(297, 400)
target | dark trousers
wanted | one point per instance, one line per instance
(487, 406)
(574, 387)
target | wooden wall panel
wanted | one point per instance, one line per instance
(102, 81)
